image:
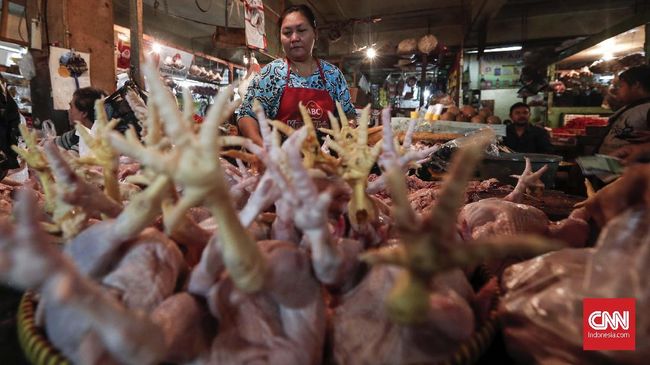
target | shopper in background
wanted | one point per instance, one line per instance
(301, 77)
(521, 136)
(9, 121)
(82, 110)
(631, 123)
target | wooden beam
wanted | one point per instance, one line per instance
(4, 20)
(15, 41)
(481, 14)
(94, 35)
(137, 56)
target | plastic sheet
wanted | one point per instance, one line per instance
(541, 312)
(442, 157)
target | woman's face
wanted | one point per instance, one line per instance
(297, 37)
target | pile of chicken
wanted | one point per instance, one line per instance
(542, 309)
(172, 254)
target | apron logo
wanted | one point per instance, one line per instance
(315, 111)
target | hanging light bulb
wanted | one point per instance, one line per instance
(371, 53)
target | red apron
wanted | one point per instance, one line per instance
(318, 103)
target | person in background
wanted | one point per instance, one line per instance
(301, 77)
(9, 121)
(521, 136)
(631, 123)
(82, 110)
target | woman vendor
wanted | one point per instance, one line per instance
(301, 77)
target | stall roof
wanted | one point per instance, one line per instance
(347, 26)
(631, 41)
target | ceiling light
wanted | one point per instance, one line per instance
(607, 56)
(371, 53)
(156, 47)
(498, 49)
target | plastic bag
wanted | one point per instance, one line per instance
(541, 311)
(48, 129)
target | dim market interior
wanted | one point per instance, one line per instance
(324, 182)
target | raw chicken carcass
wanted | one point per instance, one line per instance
(428, 301)
(148, 272)
(503, 217)
(187, 325)
(363, 334)
(269, 304)
(542, 309)
(28, 259)
(282, 324)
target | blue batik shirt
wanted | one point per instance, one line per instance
(268, 86)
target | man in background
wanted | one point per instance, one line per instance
(9, 121)
(630, 124)
(521, 136)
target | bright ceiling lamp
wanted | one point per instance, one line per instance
(371, 53)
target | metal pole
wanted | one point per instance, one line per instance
(137, 56)
(423, 78)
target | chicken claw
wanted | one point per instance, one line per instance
(429, 244)
(193, 163)
(357, 159)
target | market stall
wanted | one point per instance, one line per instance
(203, 75)
(214, 211)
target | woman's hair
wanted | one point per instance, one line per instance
(302, 9)
(84, 100)
(640, 74)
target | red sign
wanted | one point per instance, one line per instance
(609, 324)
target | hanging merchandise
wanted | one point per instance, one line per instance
(172, 61)
(407, 46)
(124, 54)
(427, 43)
(255, 31)
(69, 70)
